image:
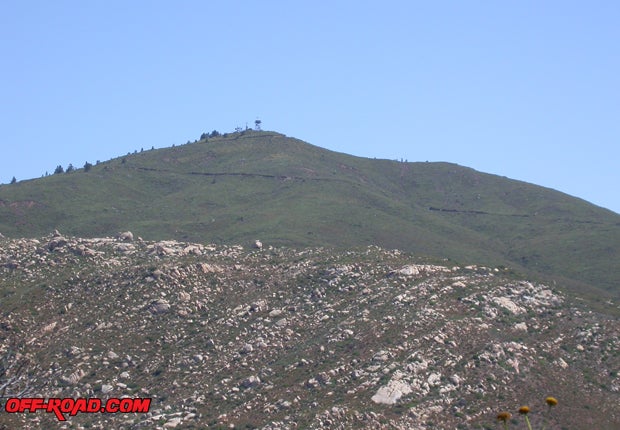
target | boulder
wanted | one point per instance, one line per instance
(126, 236)
(392, 392)
(159, 306)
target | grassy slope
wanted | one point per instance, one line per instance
(286, 192)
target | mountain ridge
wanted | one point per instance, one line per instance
(243, 186)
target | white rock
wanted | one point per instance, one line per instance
(508, 304)
(455, 380)
(275, 313)
(126, 236)
(173, 423)
(392, 392)
(521, 326)
(409, 270)
(434, 379)
(74, 377)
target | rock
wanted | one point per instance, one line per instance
(173, 423)
(209, 268)
(125, 248)
(433, 379)
(74, 351)
(409, 271)
(275, 313)
(508, 304)
(192, 250)
(392, 392)
(455, 380)
(381, 356)
(50, 327)
(521, 326)
(83, 250)
(259, 306)
(73, 378)
(247, 348)
(284, 404)
(125, 236)
(106, 388)
(162, 249)
(312, 383)
(159, 306)
(258, 244)
(251, 382)
(57, 242)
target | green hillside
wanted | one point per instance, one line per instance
(285, 192)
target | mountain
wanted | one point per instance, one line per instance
(240, 187)
(222, 336)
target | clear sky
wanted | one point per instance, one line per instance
(524, 89)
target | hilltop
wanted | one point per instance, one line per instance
(237, 188)
(224, 336)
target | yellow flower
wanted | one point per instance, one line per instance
(504, 416)
(524, 410)
(551, 401)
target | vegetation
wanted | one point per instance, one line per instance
(264, 185)
(524, 411)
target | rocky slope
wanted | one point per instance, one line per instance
(274, 338)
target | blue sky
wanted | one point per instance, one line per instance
(524, 89)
